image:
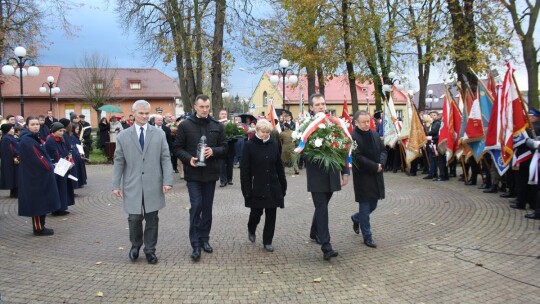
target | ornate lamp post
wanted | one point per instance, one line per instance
(20, 62)
(389, 82)
(430, 99)
(53, 89)
(283, 71)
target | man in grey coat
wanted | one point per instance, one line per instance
(142, 174)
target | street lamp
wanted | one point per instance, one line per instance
(430, 99)
(20, 61)
(53, 89)
(389, 83)
(283, 71)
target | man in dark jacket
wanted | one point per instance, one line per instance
(369, 159)
(322, 184)
(200, 180)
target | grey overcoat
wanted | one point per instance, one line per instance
(142, 173)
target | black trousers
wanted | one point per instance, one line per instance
(269, 223)
(525, 193)
(174, 161)
(226, 171)
(319, 224)
(150, 235)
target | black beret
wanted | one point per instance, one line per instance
(57, 126)
(6, 128)
(64, 121)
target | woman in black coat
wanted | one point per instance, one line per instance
(263, 181)
(9, 168)
(104, 128)
(57, 148)
(38, 194)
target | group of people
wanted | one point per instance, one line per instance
(513, 184)
(29, 150)
(201, 145)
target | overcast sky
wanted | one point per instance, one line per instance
(100, 32)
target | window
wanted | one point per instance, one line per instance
(98, 86)
(399, 113)
(135, 85)
(265, 99)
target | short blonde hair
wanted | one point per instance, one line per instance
(264, 126)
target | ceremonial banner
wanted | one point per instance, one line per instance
(417, 138)
(390, 134)
(406, 124)
(486, 106)
(345, 115)
(272, 116)
(474, 129)
(443, 130)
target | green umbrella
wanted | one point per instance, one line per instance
(110, 109)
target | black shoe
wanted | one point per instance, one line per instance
(196, 254)
(315, 239)
(176, 171)
(296, 173)
(452, 175)
(207, 248)
(134, 253)
(151, 258)
(428, 177)
(370, 243)
(269, 248)
(470, 183)
(60, 213)
(43, 232)
(508, 194)
(484, 186)
(516, 206)
(516, 202)
(355, 226)
(251, 237)
(223, 184)
(330, 254)
(230, 183)
(440, 179)
(533, 216)
(492, 189)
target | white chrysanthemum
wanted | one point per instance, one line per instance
(320, 114)
(322, 126)
(318, 142)
(295, 135)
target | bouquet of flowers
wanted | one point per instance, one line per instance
(233, 131)
(325, 140)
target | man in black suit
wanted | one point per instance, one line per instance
(158, 120)
(322, 185)
(50, 119)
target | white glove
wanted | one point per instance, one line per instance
(429, 137)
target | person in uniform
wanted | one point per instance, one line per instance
(9, 153)
(38, 194)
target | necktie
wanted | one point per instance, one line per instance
(141, 138)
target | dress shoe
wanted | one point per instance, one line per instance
(60, 213)
(508, 194)
(176, 171)
(315, 239)
(223, 184)
(470, 183)
(428, 177)
(151, 258)
(251, 237)
(296, 172)
(269, 248)
(44, 232)
(196, 254)
(134, 253)
(516, 206)
(440, 179)
(330, 254)
(452, 175)
(230, 183)
(533, 216)
(492, 189)
(484, 186)
(207, 248)
(370, 243)
(355, 226)
(516, 202)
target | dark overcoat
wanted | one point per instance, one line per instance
(38, 194)
(56, 148)
(368, 183)
(44, 131)
(79, 168)
(262, 175)
(9, 148)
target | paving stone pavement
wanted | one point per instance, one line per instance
(437, 243)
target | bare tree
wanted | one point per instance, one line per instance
(95, 80)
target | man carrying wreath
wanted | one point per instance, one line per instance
(322, 182)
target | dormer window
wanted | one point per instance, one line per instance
(98, 86)
(135, 84)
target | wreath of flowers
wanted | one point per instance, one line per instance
(324, 140)
(233, 131)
